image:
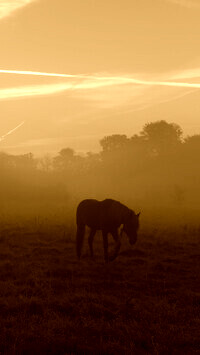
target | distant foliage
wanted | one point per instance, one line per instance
(156, 166)
(114, 142)
(163, 137)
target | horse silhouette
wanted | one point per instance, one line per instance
(107, 215)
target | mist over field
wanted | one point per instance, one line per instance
(155, 172)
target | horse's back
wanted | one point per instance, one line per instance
(87, 212)
(116, 212)
(106, 214)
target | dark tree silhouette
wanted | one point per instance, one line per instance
(191, 152)
(64, 158)
(162, 136)
(111, 143)
(192, 143)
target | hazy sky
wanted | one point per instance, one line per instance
(125, 63)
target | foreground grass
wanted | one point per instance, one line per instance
(146, 302)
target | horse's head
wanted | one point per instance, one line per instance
(131, 227)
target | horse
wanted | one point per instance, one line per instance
(107, 215)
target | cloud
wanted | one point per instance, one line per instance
(103, 97)
(33, 90)
(186, 3)
(186, 74)
(106, 91)
(7, 7)
(95, 81)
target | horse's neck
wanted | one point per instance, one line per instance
(126, 212)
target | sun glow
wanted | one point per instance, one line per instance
(9, 6)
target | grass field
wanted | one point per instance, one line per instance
(145, 302)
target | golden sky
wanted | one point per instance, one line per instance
(72, 72)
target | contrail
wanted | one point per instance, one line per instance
(57, 75)
(11, 131)
(113, 79)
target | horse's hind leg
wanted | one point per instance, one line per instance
(90, 241)
(79, 239)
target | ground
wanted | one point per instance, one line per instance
(145, 302)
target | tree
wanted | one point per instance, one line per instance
(114, 142)
(64, 159)
(162, 136)
(191, 150)
(45, 163)
(192, 143)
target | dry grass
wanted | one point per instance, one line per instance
(146, 302)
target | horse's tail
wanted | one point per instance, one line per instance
(79, 239)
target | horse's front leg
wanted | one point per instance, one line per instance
(105, 245)
(90, 241)
(79, 239)
(117, 239)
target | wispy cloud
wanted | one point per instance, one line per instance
(7, 7)
(92, 81)
(186, 3)
(11, 131)
(33, 90)
(193, 73)
(109, 91)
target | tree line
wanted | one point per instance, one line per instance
(157, 166)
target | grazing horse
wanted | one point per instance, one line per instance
(107, 215)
